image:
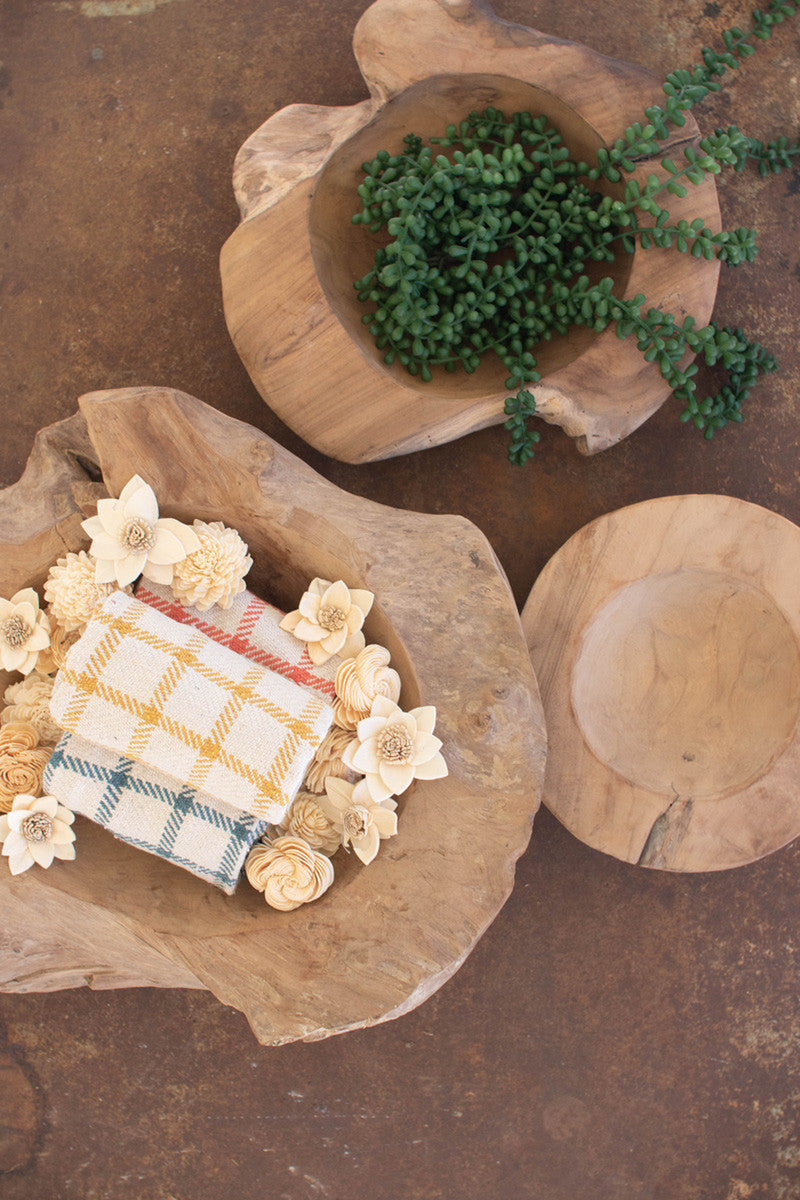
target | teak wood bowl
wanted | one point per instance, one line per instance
(288, 269)
(383, 938)
(666, 640)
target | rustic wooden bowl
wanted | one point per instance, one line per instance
(383, 938)
(288, 270)
(666, 639)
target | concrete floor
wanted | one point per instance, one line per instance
(617, 1034)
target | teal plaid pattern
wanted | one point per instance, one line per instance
(153, 812)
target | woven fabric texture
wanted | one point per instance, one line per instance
(166, 695)
(250, 627)
(149, 810)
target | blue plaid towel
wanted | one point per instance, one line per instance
(153, 812)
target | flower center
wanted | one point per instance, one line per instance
(355, 821)
(37, 827)
(138, 535)
(16, 631)
(331, 618)
(395, 744)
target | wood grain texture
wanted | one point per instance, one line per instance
(665, 639)
(382, 939)
(288, 270)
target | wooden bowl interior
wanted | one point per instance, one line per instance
(343, 252)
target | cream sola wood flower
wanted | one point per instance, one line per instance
(329, 619)
(24, 631)
(36, 830)
(327, 759)
(129, 538)
(306, 819)
(29, 701)
(213, 574)
(360, 820)
(288, 872)
(394, 747)
(359, 680)
(73, 593)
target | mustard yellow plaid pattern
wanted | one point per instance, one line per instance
(168, 696)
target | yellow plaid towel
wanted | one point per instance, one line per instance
(168, 696)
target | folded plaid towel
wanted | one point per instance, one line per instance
(251, 628)
(164, 694)
(150, 811)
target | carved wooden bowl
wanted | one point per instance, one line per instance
(288, 270)
(666, 638)
(382, 938)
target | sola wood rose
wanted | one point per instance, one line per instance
(305, 819)
(359, 681)
(329, 619)
(36, 830)
(393, 747)
(129, 538)
(24, 631)
(22, 762)
(214, 573)
(288, 872)
(72, 592)
(328, 760)
(53, 658)
(29, 702)
(359, 820)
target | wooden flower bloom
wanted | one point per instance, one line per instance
(24, 631)
(73, 593)
(36, 830)
(288, 872)
(394, 747)
(29, 701)
(359, 681)
(328, 759)
(329, 619)
(362, 822)
(22, 762)
(129, 538)
(307, 820)
(213, 574)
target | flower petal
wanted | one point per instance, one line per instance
(309, 607)
(434, 768)
(384, 820)
(41, 852)
(129, 568)
(45, 804)
(308, 631)
(15, 843)
(367, 846)
(425, 746)
(63, 814)
(331, 811)
(66, 852)
(354, 619)
(27, 596)
(365, 757)
(105, 546)
(39, 640)
(13, 658)
(378, 791)
(316, 653)
(396, 776)
(370, 727)
(334, 640)
(6, 609)
(110, 518)
(184, 533)
(158, 573)
(139, 501)
(425, 717)
(318, 587)
(336, 596)
(166, 549)
(27, 611)
(20, 862)
(62, 834)
(362, 599)
(289, 622)
(382, 706)
(339, 792)
(105, 571)
(5, 828)
(354, 645)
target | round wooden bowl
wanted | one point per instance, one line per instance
(383, 938)
(666, 638)
(288, 270)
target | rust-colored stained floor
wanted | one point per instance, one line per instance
(617, 1034)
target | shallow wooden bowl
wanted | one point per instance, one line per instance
(384, 937)
(666, 639)
(288, 270)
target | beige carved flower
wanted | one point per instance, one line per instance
(358, 819)
(29, 701)
(53, 658)
(129, 538)
(36, 830)
(213, 574)
(305, 819)
(327, 759)
(394, 747)
(359, 681)
(288, 872)
(24, 631)
(73, 593)
(329, 619)
(22, 762)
